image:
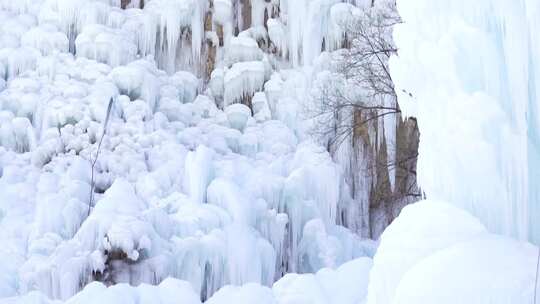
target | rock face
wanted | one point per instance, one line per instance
(381, 182)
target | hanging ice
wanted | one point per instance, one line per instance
(242, 80)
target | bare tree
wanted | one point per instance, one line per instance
(355, 102)
(362, 68)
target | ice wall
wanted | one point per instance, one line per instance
(469, 71)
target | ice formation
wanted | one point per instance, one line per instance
(242, 80)
(205, 177)
(475, 92)
(209, 185)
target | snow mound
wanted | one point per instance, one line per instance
(492, 269)
(246, 294)
(346, 284)
(168, 292)
(238, 115)
(437, 253)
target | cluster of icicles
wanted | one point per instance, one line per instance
(190, 183)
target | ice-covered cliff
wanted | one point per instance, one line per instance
(143, 140)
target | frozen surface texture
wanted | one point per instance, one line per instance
(469, 72)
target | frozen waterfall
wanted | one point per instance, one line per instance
(470, 72)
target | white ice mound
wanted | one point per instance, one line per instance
(260, 107)
(246, 294)
(243, 49)
(199, 173)
(434, 250)
(344, 285)
(490, 270)
(186, 84)
(167, 292)
(105, 45)
(238, 115)
(138, 80)
(242, 80)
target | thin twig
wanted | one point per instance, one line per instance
(92, 182)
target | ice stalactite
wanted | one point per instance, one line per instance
(278, 36)
(180, 24)
(313, 26)
(199, 173)
(242, 80)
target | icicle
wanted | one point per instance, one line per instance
(243, 79)
(278, 35)
(258, 8)
(173, 16)
(222, 11)
(199, 173)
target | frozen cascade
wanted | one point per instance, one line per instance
(206, 177)
(475, 87)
